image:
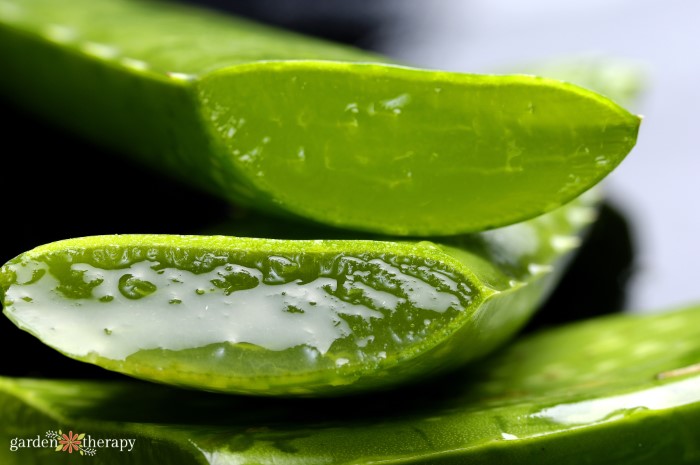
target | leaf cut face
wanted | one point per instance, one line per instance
(296, 126)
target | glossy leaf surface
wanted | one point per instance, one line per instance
(300, 127)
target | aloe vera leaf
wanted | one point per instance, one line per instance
(613, 390)
(296, 126)
(288, 317)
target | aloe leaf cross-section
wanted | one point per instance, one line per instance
(288, 317)
(296, 126)
(616, 390)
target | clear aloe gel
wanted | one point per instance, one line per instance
(300, 127)
(616, 390)
(288, 317)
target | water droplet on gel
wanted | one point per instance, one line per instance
(132, 287)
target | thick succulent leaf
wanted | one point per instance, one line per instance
(289, 316)
(302, 127)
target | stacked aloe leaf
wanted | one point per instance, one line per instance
(403, 226)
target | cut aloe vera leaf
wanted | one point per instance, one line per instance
(615, 390)
(288, 317)
(295, 126)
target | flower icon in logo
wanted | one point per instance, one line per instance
(70, 442)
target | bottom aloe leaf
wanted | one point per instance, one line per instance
(615, 390)
(288, 317)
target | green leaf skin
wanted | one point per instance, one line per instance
(619, 79)
(289, 317)
(295, 126)
(603, 391)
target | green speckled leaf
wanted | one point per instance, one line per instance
(301, 127)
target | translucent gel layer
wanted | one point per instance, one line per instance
(146, 305)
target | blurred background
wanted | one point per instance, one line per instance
(641, 257)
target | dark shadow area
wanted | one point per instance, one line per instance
(60, 186)
(354, 23)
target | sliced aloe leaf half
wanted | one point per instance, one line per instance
(289, 317)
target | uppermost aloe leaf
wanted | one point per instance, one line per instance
(293, 125)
